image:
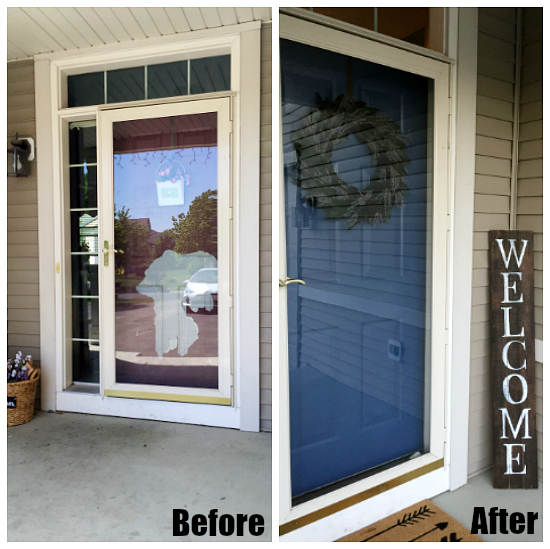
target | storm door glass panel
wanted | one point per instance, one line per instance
(166, 267)
(358, 197)
(84, 251)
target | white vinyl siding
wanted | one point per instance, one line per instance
(265, 232)
(22, 224)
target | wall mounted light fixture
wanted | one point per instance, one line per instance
(20, 156)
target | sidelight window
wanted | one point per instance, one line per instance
(84, 251)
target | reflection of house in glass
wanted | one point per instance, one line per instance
(88, 231)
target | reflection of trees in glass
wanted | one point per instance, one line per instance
(132, 239)
(164, 241)
(198, 231)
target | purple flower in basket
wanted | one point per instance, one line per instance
(17, 368)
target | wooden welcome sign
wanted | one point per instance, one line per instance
(513, 359)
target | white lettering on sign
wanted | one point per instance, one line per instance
(505, 355)
(515, 430)
(508, 287)
(512, 251)
(506, 389)
(516, 458)
(512, 294)
(507, 324)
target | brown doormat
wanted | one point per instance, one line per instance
(421, 522)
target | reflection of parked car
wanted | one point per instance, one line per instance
(201, 291)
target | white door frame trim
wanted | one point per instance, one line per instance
(463, 36)
(243, 43)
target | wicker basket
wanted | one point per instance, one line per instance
(24, 391)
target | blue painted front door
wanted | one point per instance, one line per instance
(357, 165)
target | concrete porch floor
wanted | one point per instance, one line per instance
(479, 492)
(94, 478)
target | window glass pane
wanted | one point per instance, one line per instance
(84, 231)
(166, 225)
(358, 201)
(84, 274)
(84, 238)
(362, 17)
(208, 74)
(211, 74)
(125, 85)
(86, 361)
(84, 187)
(167, 80)
(408, 24)
(85, 318)
(421, 26)
(82, 144)
(86, 89)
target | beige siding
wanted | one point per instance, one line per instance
(22, 223)
(494, 129)
(265, 233)
(530, 140)
(529, 207)
(495, 116)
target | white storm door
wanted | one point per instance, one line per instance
(363, 275)
(165, 252)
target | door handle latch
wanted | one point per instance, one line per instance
(288, 281)
(106, 252)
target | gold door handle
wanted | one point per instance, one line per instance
(106, 251)
(288, 281)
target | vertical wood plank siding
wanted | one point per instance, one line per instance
(265, 232)
(494, 134)
(529, 211)
(22, 224)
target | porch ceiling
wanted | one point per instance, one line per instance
(45, 30)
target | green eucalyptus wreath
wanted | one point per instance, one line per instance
(322, 130)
